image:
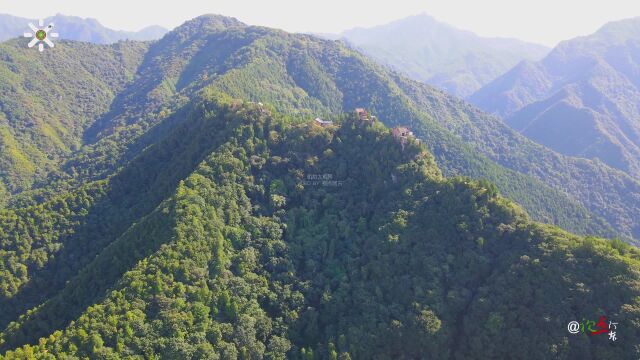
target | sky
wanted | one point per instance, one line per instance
(541, 21)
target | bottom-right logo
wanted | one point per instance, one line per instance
(591, 327)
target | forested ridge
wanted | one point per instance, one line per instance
(249, 257)
(580, 100)
(202, 213)
(49, 100)
(304, 76)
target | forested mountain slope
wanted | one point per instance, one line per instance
(457, 61)
(230, 246)
(304, 76)
(48, 100)
(582, 100)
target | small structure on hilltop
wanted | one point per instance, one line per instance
(363, 115)
(323, 123)
(403, 134)
(261, 107)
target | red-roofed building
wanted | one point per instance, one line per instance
(402, 133)
(363, 114)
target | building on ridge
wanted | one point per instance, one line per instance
(323, 123)
(403, 134)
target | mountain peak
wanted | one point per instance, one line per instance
(621, 30)
(212, 22)
(610, 34)
(428, 50)
(76, 18)
(423, 18)
(204, 24)
(419, 22)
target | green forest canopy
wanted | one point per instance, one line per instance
(243, 257)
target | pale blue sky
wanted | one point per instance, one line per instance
(541, 21)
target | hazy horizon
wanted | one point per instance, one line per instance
(544, 22)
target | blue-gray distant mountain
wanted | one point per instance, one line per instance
(583, 99)
(79, 29)
(430, 51)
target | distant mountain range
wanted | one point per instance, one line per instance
(270, 66)
(79, 29)
(583, 99)
(430, 51)
(182, 217)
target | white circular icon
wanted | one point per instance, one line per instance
(41, 35)
(573, 327)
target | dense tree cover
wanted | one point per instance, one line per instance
(617, 201)
(72, 238)
(29, 236)
(286, 240)
(304, 76)
(49, 99)
(190, 225)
